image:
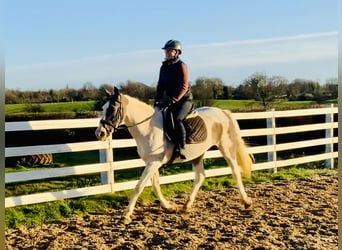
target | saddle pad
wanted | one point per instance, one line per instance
(196, 130)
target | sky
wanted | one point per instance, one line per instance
(68, 43)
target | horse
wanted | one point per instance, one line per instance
(145, 125)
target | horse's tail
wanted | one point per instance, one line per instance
(244, 159)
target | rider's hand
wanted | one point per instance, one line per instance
(157, 105)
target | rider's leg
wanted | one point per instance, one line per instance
(183, 110)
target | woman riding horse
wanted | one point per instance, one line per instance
(174, 83)
(146, 127)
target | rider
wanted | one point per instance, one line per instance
(174, 84)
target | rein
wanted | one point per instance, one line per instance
(146, 119)
(130, 126)
(110, 123)
(141, 122)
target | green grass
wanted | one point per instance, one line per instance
(294, 103)
(82, 106)
(251, 104)
(332, 101)
(236, 104)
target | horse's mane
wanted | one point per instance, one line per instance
(141, 105)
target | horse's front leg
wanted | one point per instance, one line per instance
(156, 186)
(147, 174)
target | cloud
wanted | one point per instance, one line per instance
(286, 56)
(308, 56)
(261, 51)
(101, 69)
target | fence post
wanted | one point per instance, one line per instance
(271, 140)
(103, 158)
(104, 175)
(329, 133)
(106, 155)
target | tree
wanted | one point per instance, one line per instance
(279, 85)
(88, 92)
(138, 90)
(330, 88)
(302, 89)
(261, 88)
(243, 92)
(54, 95)
(258, 86)
(293, 91)
(228, 92)
(208, 88)
(11, 96)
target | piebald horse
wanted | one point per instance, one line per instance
(145, 124)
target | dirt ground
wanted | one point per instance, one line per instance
(286, 214)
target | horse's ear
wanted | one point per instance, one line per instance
(116, 92)
(108, 94)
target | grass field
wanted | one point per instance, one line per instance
(251, 104)
(84, 106)
(52, 107)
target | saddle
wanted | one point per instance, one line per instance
(196, 130)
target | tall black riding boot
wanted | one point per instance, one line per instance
(181, 140)
(182, 135)
(178, 152)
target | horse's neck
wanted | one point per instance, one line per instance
(136, 111)
(144, 125)
(139, 116)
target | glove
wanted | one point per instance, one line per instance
(170, 105)
(170, 101)
(157, 105)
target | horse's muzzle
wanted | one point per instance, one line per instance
(101, 134)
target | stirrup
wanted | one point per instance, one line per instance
(179, 154)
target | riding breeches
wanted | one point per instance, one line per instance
(180, 110)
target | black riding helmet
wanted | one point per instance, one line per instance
(173, 44)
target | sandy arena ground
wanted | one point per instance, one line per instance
(286, 214)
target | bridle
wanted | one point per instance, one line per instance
(118, 118)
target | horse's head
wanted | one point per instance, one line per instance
(112, 115)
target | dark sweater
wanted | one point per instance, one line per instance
(173, 80)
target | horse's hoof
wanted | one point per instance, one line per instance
(186, 208)
(171, 209)
(126, 220)
(248, 202)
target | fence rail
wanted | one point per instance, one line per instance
(108, 165)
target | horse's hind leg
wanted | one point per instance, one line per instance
(228, 155)
(199, 178)
(156, 186)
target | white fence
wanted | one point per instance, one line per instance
(108, 165)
